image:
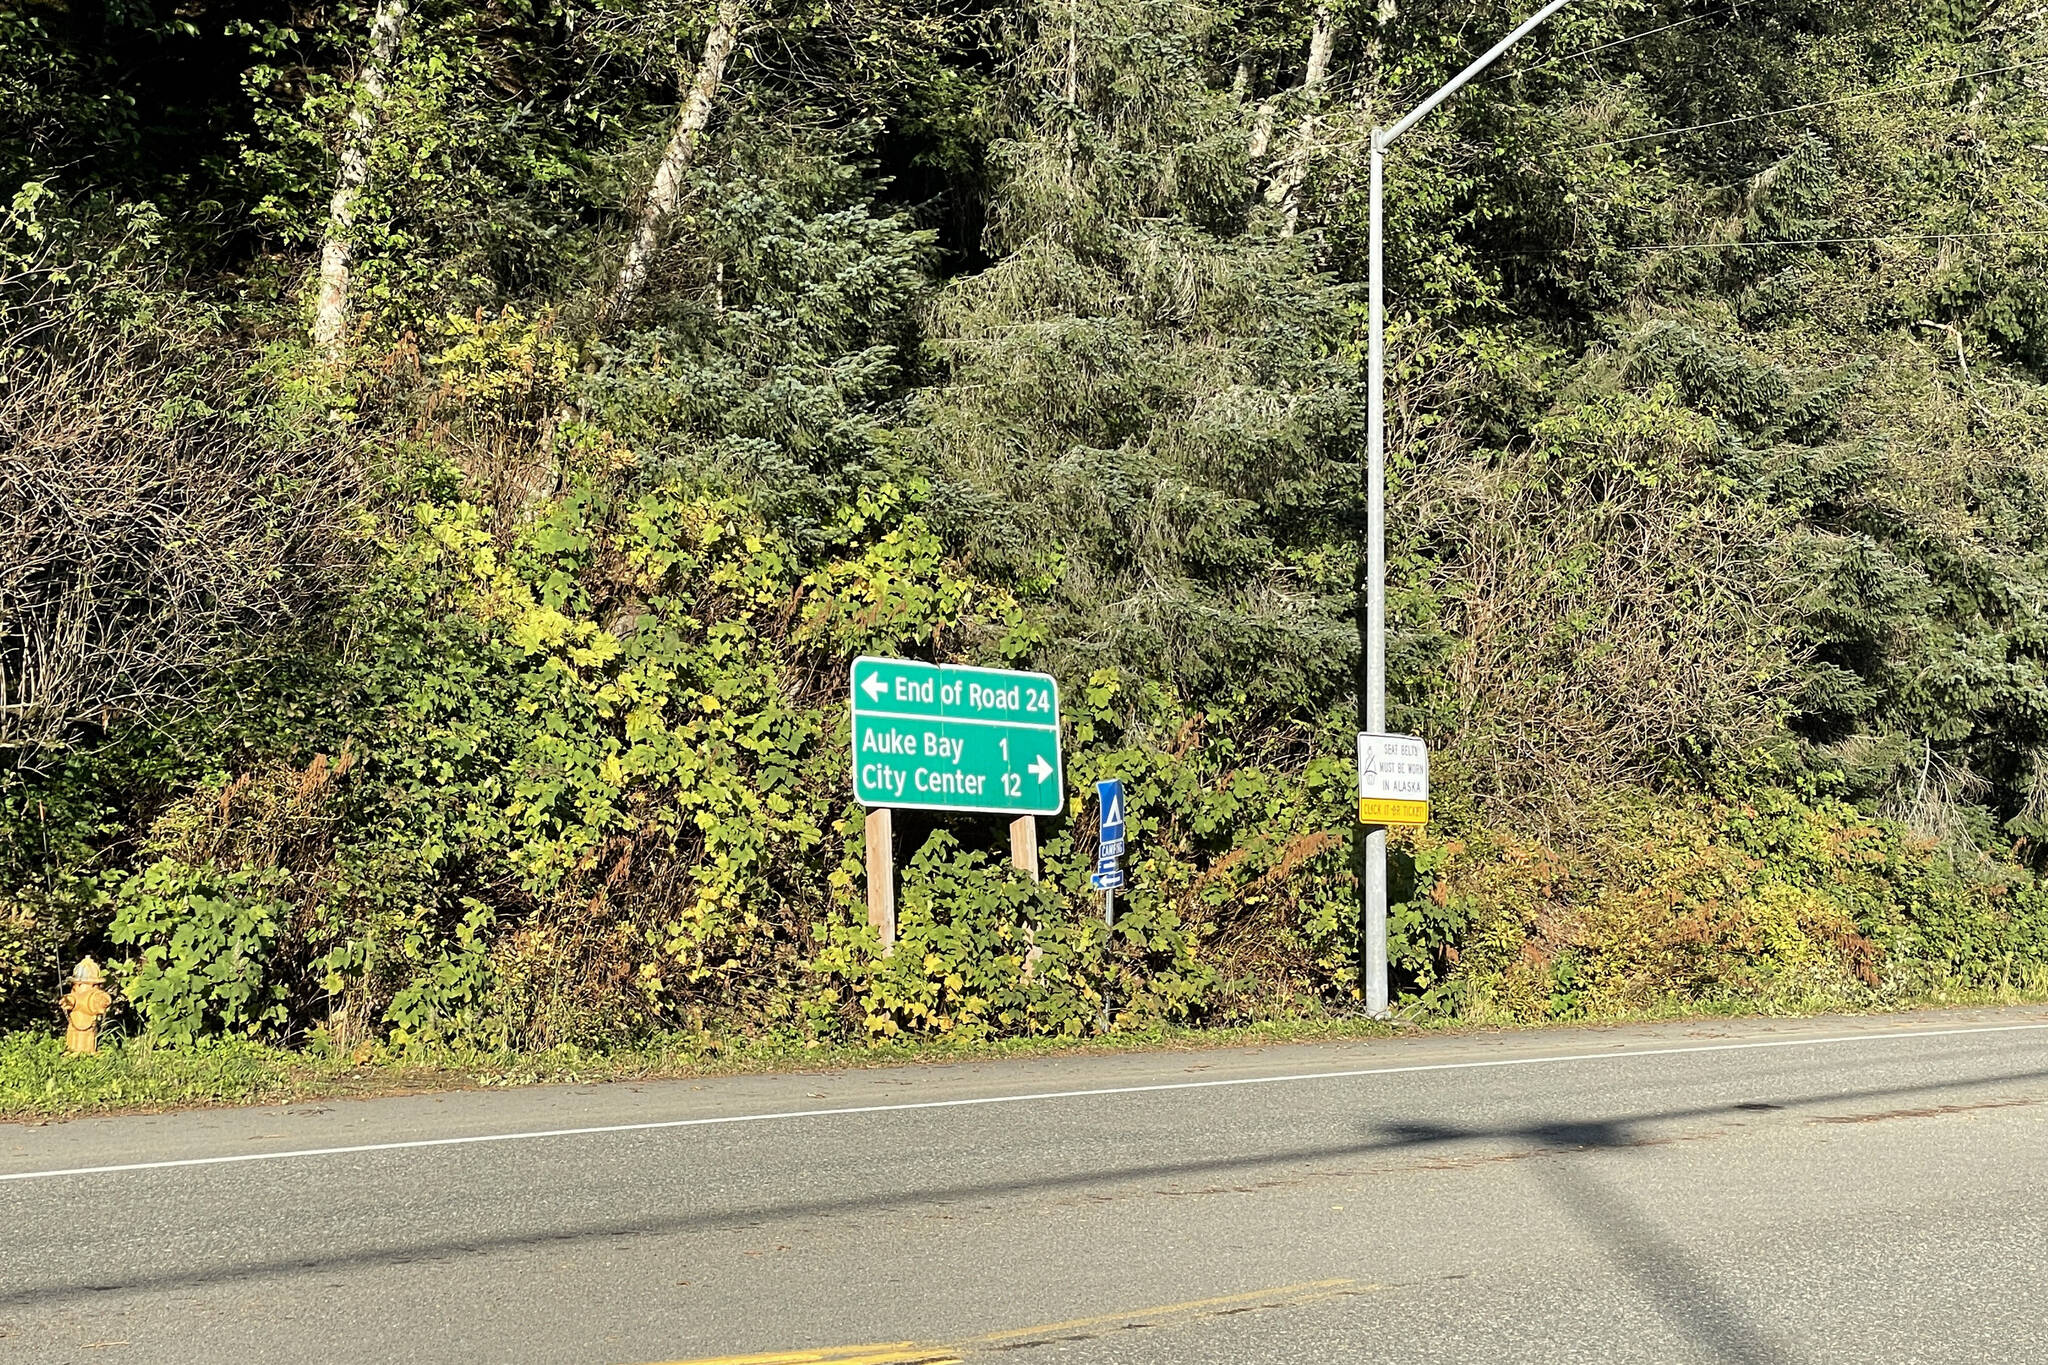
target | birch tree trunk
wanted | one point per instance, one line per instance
(1072, 91)
(1262, 123)
(663, 194)
(1262, 138)
(1285, 191)
(330, 314)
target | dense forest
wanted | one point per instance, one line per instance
(449, 454)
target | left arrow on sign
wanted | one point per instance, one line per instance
(874, 687)
(1040, 768)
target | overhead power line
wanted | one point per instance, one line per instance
(1843, 241)
(2034, 65)
(1340, 87)
(1609, 46)
(1754, 245)
(1815, 104)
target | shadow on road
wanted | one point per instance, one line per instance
(1668, 1276)
(1678, 1285)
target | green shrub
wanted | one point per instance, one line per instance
(56, 890)
(206, 938)
(982, 951)
(1776, 900)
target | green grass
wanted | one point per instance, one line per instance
(38, 1081)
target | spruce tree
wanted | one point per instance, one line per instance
(1145, 410)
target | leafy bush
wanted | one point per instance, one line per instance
(982, 952)
(1774, 899)
(206, 938)
(55, 892)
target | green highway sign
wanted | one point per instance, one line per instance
(945, 737)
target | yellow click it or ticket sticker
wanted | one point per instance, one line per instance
(1383, 812)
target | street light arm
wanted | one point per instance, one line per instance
(1374, 883)
(1384, 136)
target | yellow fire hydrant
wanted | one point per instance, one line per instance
(83, 1005)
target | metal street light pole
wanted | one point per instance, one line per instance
(1376, 512)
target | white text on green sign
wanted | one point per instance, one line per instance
(948, 737)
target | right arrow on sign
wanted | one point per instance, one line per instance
(1040, 768)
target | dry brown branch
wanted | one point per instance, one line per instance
(1610, 628)
(146, 538)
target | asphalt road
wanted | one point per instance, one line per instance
(1822, 1190)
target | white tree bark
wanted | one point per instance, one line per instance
(1322, 41)
(1285, 191)
(666, 190)
(1262, 137)
(1072, 91)
(330, 314)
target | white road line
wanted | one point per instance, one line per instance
(1034, 1097)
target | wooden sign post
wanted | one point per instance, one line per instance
(1024, 845)
(882, 875)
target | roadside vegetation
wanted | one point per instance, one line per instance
(40, 1083)
(449, 455)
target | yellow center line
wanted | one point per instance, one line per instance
(880, 1353)
(1311, 1288)
(915, 1353)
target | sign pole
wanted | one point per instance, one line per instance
(1109, 872)
(881, 840)
(1375, 888)
(1108, 918)
(1024, 844)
